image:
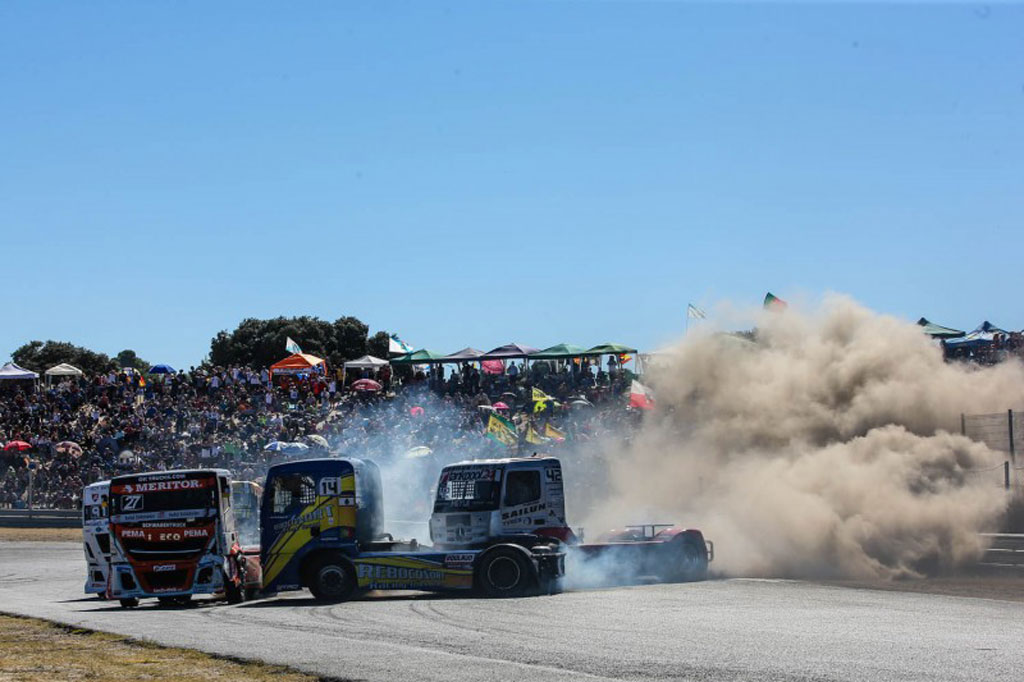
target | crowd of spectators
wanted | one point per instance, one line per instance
(125, 422)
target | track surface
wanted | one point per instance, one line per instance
(717, 630)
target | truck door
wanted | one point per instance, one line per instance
(522, 506)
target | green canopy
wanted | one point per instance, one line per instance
(561, 350)
(937, 331)
(417, 357)
(609, 349)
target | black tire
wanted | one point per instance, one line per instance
(129, 603)
(234, 594)
(505, 572)
(687, 560)
(252, 593)
(332, 579)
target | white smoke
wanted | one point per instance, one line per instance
(821, 448)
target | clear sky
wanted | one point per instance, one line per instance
(474, 173)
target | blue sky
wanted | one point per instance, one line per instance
(473, 173)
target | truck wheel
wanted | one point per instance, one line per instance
(504, 572)
(129, 603)
(332, 579)
(688, 560)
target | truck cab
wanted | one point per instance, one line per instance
(96, 536)
(322, 526)
(173, 536)
(481, 501)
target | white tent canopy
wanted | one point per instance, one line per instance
(12, 371)
(64, 370)
(366, 362)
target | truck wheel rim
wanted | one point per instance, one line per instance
(504, 573)
(332, 579)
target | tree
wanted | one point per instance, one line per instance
(378, 344)
(261, 343)
(128, 358)
(40, 356)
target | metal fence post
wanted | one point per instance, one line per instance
(1009, 422)
(1006, 475)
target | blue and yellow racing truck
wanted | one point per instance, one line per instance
(321, 527)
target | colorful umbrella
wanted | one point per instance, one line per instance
(416, 411)
(17, 446)
(161, 369)
(368, 385)
(68, 447)
(500, 406)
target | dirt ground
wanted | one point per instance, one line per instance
(1006, 586)
(40, 534)
(37, 651)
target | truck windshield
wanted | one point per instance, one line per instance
(462, 495)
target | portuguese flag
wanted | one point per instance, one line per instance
(773, 302)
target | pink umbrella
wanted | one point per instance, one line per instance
(17, 446)
(416, 411)
(368, 385)
(500, 406)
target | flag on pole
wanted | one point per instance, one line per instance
(291, 346)
(640, 396)
(398, 347)
(772, 302)
(553, 433)
(624, 358)
(695, 313)
(502, 430)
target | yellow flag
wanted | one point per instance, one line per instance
(501, 430)
(540, 395)
(533, 437)
(551, 432)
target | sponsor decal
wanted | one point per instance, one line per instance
(155, 485)
(461, 559)
(517, 512)
(406, 575)
(324, 512)
(164, 533)
(475, 474)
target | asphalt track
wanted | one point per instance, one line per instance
(716, 630)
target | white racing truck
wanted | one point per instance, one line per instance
(96, 536)
(522, 500)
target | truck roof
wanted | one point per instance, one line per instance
(505, 461)
(143, 474)
(314, 462)
(97, 485)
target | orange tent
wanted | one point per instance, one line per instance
(298, 363)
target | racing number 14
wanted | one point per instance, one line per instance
(329, 486)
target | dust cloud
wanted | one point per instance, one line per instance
(826, 447)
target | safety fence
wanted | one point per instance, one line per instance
(1006, 551)
(40, 518)
(1003, 432)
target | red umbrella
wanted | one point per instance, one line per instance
(366, 385)
(416, 411)
(17, 446)
(500, 406)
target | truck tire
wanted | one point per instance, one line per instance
(129, 603)
(687, 560)
(332, 579)
(505, 572)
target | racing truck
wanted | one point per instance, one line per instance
(173, 536)
(322, 526)
(96, 537)
(524, 498)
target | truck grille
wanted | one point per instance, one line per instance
(166, 580)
